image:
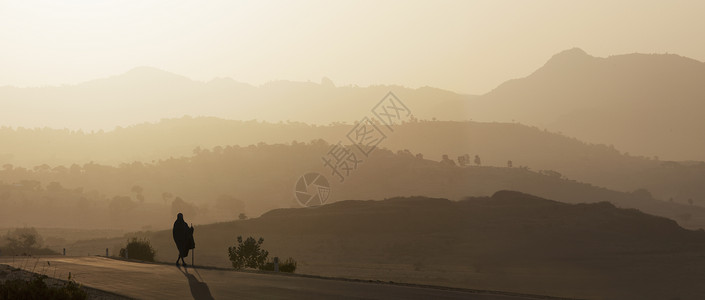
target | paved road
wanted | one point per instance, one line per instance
(160, 281)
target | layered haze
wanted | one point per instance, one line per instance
(643, 104)
(548, 148)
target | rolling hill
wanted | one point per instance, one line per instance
(220, 183)
(494, 143)
(510, 241)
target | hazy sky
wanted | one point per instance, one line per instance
(465, 46)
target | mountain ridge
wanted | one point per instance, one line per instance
(644, 103)
(648, 104)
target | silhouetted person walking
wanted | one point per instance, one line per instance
(181, 233)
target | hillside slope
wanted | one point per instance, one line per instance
(649, 104)
(494, 143)
(219, 184)
(147, 94)
(510, 241)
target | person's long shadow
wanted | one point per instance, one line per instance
(199, 289)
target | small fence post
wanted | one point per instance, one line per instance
(106, 252)
(64, 251)
(127, 255)
(276, 264)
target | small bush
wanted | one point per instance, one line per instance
(288, 266)
(139, 249)
(36, 288)
(248, 254)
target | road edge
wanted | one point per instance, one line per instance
(436, 287)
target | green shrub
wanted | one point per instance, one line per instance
(288, 266)
(36, 288)
(248, 254)
(139, 249)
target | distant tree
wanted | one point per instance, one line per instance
(509, 164)
(181, 206)
(197, 150)
(31, 185)
(419, 155)
(405, 152)
(54, 187)
(248, 253)
(242, 216)
(22, 241)
(464, 160)
(42, 168)
(461, 161)
(60, 170)
(447, 161)
(477, 160)
(139, 249)
(137, 190)
(551, 173)
(75, 169)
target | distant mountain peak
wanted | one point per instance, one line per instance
(567, 59)
(569, 56)
(146, 73)
(574, 52)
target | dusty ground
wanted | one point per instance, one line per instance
(9, 273)
(166, 281)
